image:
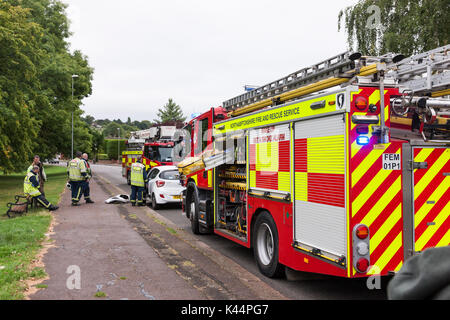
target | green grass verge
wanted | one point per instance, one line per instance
(21, 237)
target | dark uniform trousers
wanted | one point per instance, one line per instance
(77, 188)
(41, 199)
(137, 193)
(86, 189)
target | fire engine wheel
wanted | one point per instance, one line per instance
(265, 246)
(193, 207)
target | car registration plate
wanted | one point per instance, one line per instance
(177, 197)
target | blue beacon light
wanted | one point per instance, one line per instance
(362, 140)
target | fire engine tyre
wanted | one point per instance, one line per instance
(192, 204)
(265, 246)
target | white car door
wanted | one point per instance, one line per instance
(151, 180)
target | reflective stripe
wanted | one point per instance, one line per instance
(28, 187)
(43, 203)
(137, 175)
(76, 167)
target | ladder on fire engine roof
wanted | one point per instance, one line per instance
(333, 67)
(343, 68)
(427, 73)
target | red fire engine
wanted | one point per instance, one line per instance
(154, 145)
(341, 168)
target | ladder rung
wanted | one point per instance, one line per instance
(334, 66)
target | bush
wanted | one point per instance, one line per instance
(111, 148)
(103, 156)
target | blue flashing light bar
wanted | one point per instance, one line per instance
(362, 140)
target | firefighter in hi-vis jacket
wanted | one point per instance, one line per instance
(77, 175)
(31, 188)
(138, 181)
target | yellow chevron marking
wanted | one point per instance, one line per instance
(366, 164)
(429, 232)
(356, 92)
(354, 148)
(445, 241)
(386, 227)
(399, 266)
(347, 199)
(435, 196)
(369, 190)
(423, 154)
(382, 203)
(386, 113)
(375, 97)
(390, 252)
(429, 175)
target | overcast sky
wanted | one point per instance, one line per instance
(197, 52)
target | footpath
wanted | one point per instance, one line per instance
(120, 252)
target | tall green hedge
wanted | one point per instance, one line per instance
(111, 148)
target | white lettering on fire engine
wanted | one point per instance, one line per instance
(392, 161)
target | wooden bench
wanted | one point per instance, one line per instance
(21, 205)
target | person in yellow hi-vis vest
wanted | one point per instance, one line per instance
(86, 190)
(31, 188)
(77, 172)
(138, 181)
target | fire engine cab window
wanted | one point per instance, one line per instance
(204, 133)
(147, 152)
(162, 154)
(202, 139)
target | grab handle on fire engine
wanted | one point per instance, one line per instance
(318, 105)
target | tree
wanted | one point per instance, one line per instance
(170, 112)
(376, 27)
(89, 120)
(20, 54)
(144, 124)
(111, 130)
(97, 142)
(36, 70)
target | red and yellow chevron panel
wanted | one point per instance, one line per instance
(432, 198)
(376, 194)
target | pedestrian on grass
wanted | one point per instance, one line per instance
(41, 174)
(31, 188)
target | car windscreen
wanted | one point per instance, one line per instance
(170, 175)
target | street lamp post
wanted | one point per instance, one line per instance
(73, 77)
(118, 145)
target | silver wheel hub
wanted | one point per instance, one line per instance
(192, 210)
(265, 244)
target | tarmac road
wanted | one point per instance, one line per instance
(298, 285)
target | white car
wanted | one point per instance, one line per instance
(164, 186)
